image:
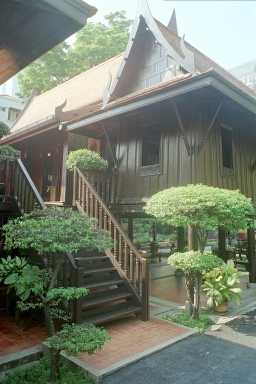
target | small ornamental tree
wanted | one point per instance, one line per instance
(6, 150)
(74, 339)
(55, 234)
(194, 266)
(203, 208)
(85, 160)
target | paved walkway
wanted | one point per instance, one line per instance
(131, 340)
(225, 355)
(197, 360)
(14, 339)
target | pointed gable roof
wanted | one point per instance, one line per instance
(83, 95)
(172, 25)
(144, 18)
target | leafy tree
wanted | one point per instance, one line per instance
(51, 232)
(51, 69)
(55, 234)
(202, 207)
(194, 265)
(93, 44)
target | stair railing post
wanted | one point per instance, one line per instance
(74, 188)
(145, 288)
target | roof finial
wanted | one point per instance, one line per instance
(173, 23)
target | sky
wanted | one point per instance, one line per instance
(223, 30)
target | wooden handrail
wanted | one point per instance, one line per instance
(19, 186)
(130, 263)
(31, 185)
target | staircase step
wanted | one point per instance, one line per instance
(104, 284)
(105, 298)
(91, 258)
(99, 270)
(116, 314)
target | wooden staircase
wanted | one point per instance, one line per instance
(118, 280)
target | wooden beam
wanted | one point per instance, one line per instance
(222, 244)
(64, 170)
(180, 239)
(251, 254)
(192, 239)
(181, 126)
(130, 227)
(212, 122)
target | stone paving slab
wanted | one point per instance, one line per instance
(131, 340)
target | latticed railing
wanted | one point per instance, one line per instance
(130, 263)
(17, 184)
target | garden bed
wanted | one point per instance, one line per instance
(39, 373)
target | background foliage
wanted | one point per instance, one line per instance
(95, 43)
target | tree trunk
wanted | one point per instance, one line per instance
(196, 306)
(54, 365)
(49, 321)
(189, 282)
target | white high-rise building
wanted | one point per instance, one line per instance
(246, 73)
(10, 105)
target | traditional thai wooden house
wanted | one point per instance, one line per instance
(163, 114)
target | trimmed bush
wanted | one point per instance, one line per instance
(6, 151)
(85, 160)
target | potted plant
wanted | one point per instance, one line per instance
(221, 285)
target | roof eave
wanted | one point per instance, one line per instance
(77, 10)
(207, 79)
(24, 134)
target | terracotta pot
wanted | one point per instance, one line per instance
(221, 308)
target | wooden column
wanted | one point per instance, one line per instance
(222, 244)
(251, 254)
(180, 239)
(192, 240)
(64, 170)
(154, 244)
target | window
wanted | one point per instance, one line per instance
(151, 147)
(227, 147)
(13, 114)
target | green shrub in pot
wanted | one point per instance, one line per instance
(85, 160)
(221, 285)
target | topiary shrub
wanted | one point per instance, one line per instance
(194, 264)
(6, 151)
(85, 160)
(4, 129)
(74, 339)
(202, 207)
